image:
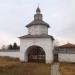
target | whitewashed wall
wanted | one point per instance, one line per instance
(14, 54)
(45, 43)
(38, 29)
(66, 57)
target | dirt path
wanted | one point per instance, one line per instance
(55, 69)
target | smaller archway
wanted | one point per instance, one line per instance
(35, 54)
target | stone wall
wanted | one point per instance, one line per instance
(10, 53)
(66, 57)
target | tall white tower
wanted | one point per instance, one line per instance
(37, 45)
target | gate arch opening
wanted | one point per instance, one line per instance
(36, 54)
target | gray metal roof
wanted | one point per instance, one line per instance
(37, 36)
(37, 22)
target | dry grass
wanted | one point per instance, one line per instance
(15, 67)
(4, 61)
(67, 68)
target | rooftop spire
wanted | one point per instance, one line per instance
(38, 19)
(38, 10)
(38, 15)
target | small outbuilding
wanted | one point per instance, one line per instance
(64, 53)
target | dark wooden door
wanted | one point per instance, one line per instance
(55, 57)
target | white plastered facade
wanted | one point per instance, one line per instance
(38, 30)
(45, 43)
(66, 57)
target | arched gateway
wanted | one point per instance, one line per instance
(36, 54)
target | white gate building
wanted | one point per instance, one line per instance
(37, 45)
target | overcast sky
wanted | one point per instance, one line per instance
(15, 14)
